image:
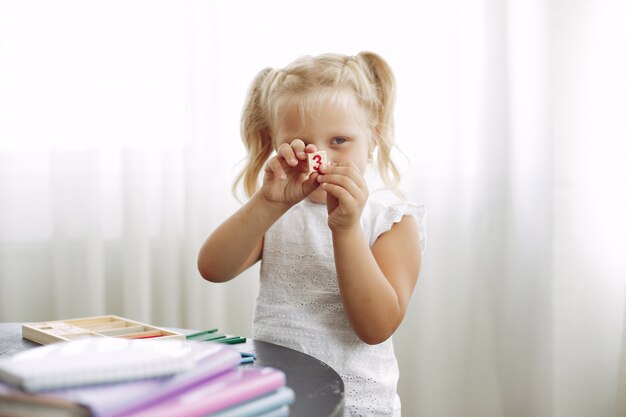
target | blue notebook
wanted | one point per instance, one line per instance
(274, 404)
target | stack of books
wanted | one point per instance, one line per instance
(109, 377)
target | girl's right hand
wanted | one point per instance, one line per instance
(285, 179)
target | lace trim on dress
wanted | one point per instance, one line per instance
(393, 214)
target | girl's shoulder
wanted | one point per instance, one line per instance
(378, 218)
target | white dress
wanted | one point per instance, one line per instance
(299, 305)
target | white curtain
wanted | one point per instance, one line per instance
(119, 141)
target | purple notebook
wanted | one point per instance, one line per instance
(125, 398)
(224, 391)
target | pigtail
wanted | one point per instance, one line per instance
(382, 77)
(255, 134)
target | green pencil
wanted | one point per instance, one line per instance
(200, 334)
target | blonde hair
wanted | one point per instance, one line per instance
(306, 81)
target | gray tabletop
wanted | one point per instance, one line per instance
(319, 389)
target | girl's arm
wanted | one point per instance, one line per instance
(376, 283)
(237, 243)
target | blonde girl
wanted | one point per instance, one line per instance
(337, 269)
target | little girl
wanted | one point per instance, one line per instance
(337, 270)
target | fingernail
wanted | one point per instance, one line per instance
(293, 161)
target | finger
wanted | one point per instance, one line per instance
(311, 183)
(342, 181)
(298, 147)
(355, 173)
(343, 167)
(286, 151)
(341, 194)
(348, 170)
(327, 168)
(275, 167)
(310, 148)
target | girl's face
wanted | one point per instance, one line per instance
(331, 128)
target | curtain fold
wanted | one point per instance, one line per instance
(136, 236)
(589, 266)
(76, 244)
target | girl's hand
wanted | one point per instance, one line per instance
(346, 194)
(285, 179)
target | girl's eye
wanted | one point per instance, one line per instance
(338, 140)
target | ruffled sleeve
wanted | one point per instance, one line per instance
(381, 219)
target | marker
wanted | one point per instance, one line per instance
(200, 334)
(248, 359)
(233, 340)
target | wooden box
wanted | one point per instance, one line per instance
(99, 326)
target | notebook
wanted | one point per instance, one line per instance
(96, 360)
(222, 392)
(123, 398)
(17, 404)
(274, 404)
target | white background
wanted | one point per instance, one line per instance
(119, 140)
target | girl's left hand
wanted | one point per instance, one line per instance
(346, 194)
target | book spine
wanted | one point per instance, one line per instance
(213, 398)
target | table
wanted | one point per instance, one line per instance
(319, 389)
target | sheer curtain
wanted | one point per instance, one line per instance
(119, 141)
